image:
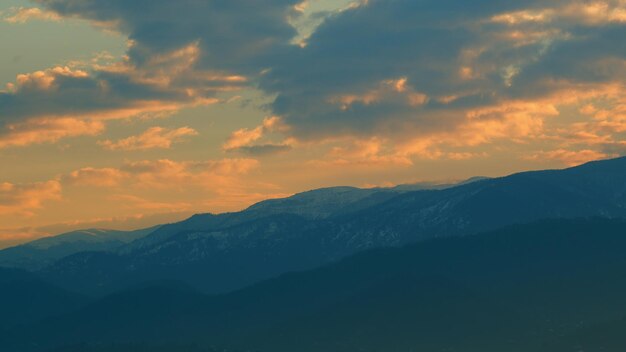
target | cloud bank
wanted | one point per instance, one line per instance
(407, 72)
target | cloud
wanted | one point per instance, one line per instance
(115, 91)
(264, 149)
(164, 174)
(134, 202)
(211, 174)
(236, 35)
(569, 157)
(10, 237)
(164, 185)
(25, 14)
(363, 152)
(62, 92)
(243, 137)
(408, 72)
(25, 199)
(47, 130)
(89, 176)
(153, 138)
(455, 59)
(246, 140)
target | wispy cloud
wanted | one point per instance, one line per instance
(248, 141)
(153, 138)
(25, 199)
(47, 130)
(24, 14)
(569, 157)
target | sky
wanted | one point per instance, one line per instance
(124, 114)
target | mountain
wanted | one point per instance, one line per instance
(24, 298)
(42, 252)
(315, 204)
(219, 253)
(517, 289)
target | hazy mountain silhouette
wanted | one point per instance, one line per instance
(26, 299)
(313, 204)
(42, 252)
(218, 253)
(518, 289)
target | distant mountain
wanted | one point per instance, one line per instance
(518, 289)
(42, 252)
(311, 205)
(25, 299)
(218, 253)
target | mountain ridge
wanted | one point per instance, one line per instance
(238, 249)
(511, 290)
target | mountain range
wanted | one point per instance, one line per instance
(45, 251)
(224, 252)
(532, 262)
(553, 285)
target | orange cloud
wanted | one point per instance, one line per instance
(245, 138)
(596, 12)
(105, 177)
(25, 14)
(363, 152)
(515, 121)
(395, 90)
(165, 84)
(153, 138)
(44, 80)
(47, 130)
(164, 174)
(586, 12)
(134, 202)
(524, 16)
(569, 157)
(167, 173)
(24, 199)
(13, 236)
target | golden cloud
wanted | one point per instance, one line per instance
(24, 199)
(165, 174)
(25, 14)
(245, 138)
(569, 157)
(104, 177)
(153, 138)
(47, 130)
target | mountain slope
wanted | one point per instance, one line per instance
(311, 205)
(509, 290)
(42, 252)
(218, 253)
(25, 299)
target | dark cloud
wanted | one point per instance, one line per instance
(233, 35)
(262, 149)
(585, 58)
(182, 53)
(385, 67)
(428, 43)
(65, 92)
